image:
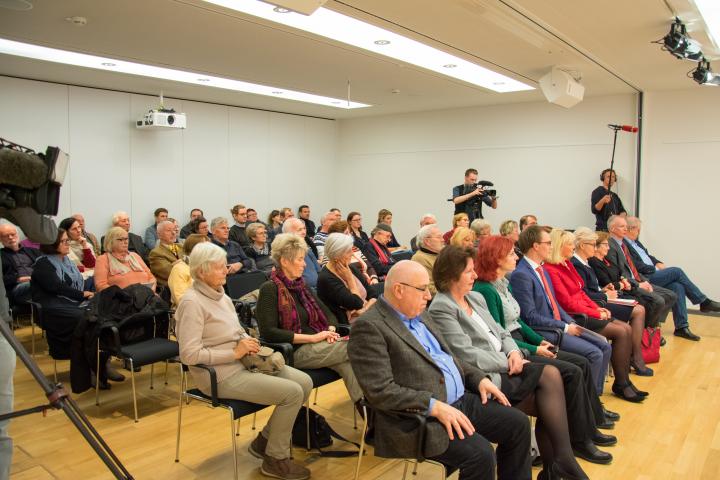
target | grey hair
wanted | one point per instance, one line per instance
(287, 224)
(217, 221)
(428, 215)
(611, 221)
(478, 225)
(337, 244)
(287, 246)
(113, 234)
(116, 216)
(424, 233)
(164, 224)
(202, 256)
(633, 222)
(251, 230)
(584, 235)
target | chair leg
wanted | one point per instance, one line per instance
(362, 445)
(254, 418)
(316, 392)
(234, 446)
(132, 378)
(152, 369)
(55, 370)
(414, 472)
(406, 462)
(32, 335)
(97, 376)
(166, 371)
(354, 417)
(237, 428)
(307, 425)
(180, 405)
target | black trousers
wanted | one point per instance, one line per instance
(508, 427)
(657, 303)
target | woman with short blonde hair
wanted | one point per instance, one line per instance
(118, 266)
(463, 238)
(459, 220)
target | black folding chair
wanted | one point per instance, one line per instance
(37, 318)
(240, 284)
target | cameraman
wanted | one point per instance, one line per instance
(469, 197)
(43, 230)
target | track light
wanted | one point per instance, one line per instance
(703, 75)
(679, 44)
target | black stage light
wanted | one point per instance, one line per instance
(704, 75)
(679, 43)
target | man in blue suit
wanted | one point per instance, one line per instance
(533, 290)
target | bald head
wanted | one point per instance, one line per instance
(406, 288)
(9, 236)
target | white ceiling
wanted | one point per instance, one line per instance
(606, 42)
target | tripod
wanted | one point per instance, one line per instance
(58, 398)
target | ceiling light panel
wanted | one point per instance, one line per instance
(36, 52)
(710, 11)
(339, 27)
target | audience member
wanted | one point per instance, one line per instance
(259, 248)
(312, 267)
(459, 220)
(430, 242)
(527, 221)
(427, 219)
(180, 279)
(209, 333)
(385, 216)
(472, 334)
(118, 265)
(360, 238)
(151, 236)
(290, 312)
(286, 213)
(376, 250)
(341, 284)
(274, 224)
(236, 259)
(80, 250)
(321, 235)
(604, 203)
(237, 231)
(252, 217)
(304, 215)
(87, 235)
(341, 226)
(482, 229)
(167, 253)
(463, 238)
(135, 243)
(17, 265)
(187, 229)
(404, 364)
(510, 229)
(200, 226)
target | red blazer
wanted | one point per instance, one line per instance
(569, 289)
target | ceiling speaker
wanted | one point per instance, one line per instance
(306, 7)
(560, 88)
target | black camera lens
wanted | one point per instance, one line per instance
(170, 119)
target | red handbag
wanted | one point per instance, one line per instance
(651, 344)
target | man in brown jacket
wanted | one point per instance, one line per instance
(166, 254)
(403, 364)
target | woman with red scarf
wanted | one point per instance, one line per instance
(288, 312)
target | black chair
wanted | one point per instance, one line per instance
(235, 408)
(402, 255)
(38, 319)
(419, 448)
(133, 340)
(240, 284)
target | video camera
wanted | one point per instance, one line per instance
(30, 179)
(482, 184)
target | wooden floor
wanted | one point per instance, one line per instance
(675, 434)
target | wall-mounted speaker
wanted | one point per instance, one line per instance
(560, 88)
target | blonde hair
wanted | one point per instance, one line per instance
(507, 227)
(457, 217)
(559, 238)
(461, 233)
(287, 246)
(113, 234)
(584, 235)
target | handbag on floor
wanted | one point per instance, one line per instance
(321, 434)
(651, 344)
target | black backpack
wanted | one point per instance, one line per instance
(321, 434)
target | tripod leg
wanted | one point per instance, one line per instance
(132, 378)
(97, 376)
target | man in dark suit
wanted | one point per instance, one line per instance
(658, 301)
(673, 278)
(17, 265)
(533, 290)
(403, 364)
(135, 242)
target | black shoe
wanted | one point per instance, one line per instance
(559, 472)
(602, 440)
(611, 415)
(607, 424)
(113, 375)
(537, 461)
(662, 341)
(710, 306)
(588, 451)
(642, 372)
(619, 390)
(686, 333)
(642, 393)
(104, 385)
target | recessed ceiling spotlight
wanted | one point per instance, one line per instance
(203, 79)
(452, 65)
(382, 42)
(108, 64)
(281, 10)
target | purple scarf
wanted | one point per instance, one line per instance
(287, 309)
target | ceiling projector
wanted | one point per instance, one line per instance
(163, 118)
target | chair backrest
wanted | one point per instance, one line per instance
(241, 284)
(402, 255)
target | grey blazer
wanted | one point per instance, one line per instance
(617, 257)
(396, 373)
(466, 337)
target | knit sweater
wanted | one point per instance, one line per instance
(208, 331)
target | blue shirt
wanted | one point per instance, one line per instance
(454, 385)
(641, 251)
(312, 269)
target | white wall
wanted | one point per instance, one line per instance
(680, 179)
(543, 159)
(226, 156)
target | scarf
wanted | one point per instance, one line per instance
(65, 268)
(289, 318)
(384, 259)
(122, 266)
(261, 251)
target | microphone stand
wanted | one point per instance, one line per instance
(612, 166)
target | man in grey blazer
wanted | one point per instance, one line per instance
(403, 364)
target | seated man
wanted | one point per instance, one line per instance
(527, 221)
(186, 230)
(673, 278)
(87, 235)
(236, 259)
(135, 242)
(312, 265)
(17, 265)
(319, 239)
(402, 363)
(166, 254)
(252, 217)
(237, 231)
(304, 215)
(427, 219)
(377, 252)
(430, 241)
(151, 237)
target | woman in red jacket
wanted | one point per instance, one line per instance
(569, 293)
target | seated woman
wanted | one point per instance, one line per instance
(511, 230)
(180, 279)
(342, 286)
(472, 334)
(81, 251)
(259, 248)
(354, 220)
(289, 312)
(118, 266)
(493, 264)
(57, 285)
(341, 226)
(463, 238)
(459, 220)
(568, 286)
(200, 226)
(585, 240)
(385, 216)
(209, 333)
(482, 229)
(274, 224)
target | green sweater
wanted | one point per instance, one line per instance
(494, 303)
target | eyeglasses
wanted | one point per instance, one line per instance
(545, 243)
(64, 241)
(603, 243)
(419, 289)
(592, 244)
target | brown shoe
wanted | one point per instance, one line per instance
(285, 469)
(258, 446)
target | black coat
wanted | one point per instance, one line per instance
(338, 298)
